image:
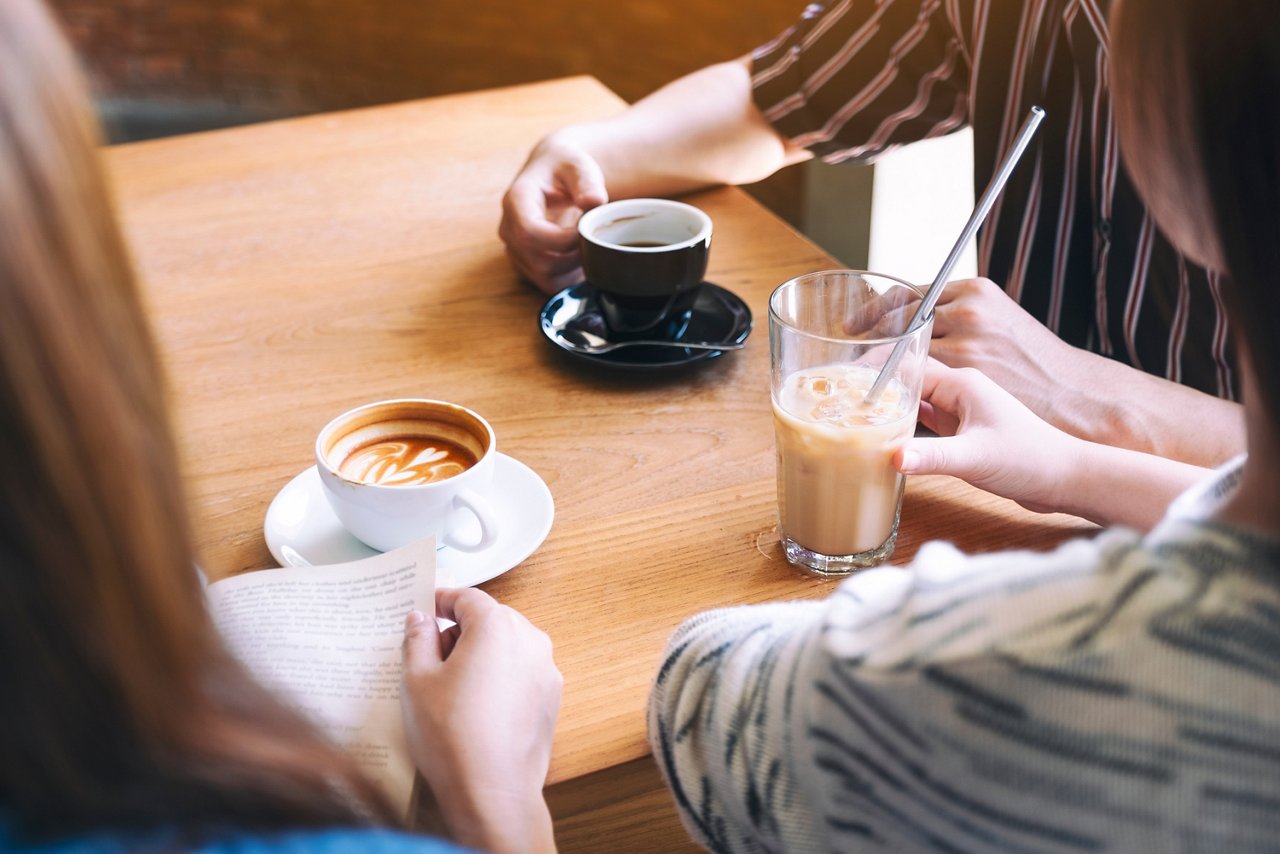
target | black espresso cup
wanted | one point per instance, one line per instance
(646, 259)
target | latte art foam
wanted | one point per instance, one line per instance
(406, 461)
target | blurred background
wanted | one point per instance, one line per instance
(160, 67)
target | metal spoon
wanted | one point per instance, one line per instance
(582, 341)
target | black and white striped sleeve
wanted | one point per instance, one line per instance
(838, 725)
(719, 719)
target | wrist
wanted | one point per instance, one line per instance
(1105, 401)
(1065, 478)
(496, 820)
(578, 137)
(604, 142)
(1105, 420)
(1086, 402)
(1075, 478)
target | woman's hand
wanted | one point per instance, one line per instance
(988, 438)
(480, 703)
(540, 212)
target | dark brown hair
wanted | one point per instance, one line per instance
(1196, 88)
(121, 707)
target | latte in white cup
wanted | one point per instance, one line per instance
(397, 471)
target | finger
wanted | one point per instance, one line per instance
(960, 288)
(448, 640)
(524, 270)
(953, 390)
(942, 326)
(962, 348)
(967, 318)
(923, 429)
(525, 221)
(892, 323)
(582, 180)
(558, 263)
(934, 456)
(936, 375)
(549, 272)
(961, 307)
(539, 267)
(514, 230)
(421, 648)
(939, 422)
(946, 349)
(518, 264)
(463, 604)
(957, 317)
(950, 293)
(565, 280)
(906, 460)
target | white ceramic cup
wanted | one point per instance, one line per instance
(389, 514)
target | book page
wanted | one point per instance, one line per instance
(327, 639)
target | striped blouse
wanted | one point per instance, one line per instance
(1069, 238)
(1118, 694)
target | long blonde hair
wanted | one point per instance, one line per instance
(121, 706)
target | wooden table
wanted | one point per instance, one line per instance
(299, 268)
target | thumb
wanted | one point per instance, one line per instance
(931, 456)
(421, 649)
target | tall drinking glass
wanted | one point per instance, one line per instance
(830, 333)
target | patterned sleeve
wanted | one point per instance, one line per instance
(827, 725)
(718, 723)
(856, 77)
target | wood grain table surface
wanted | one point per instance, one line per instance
(299, 268)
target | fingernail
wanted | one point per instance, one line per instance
(413, 618)
(910, 461)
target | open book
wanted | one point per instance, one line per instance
(327, 639)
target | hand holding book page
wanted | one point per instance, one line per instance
(328, 639)
(481, 701)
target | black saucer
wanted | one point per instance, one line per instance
(717, 315)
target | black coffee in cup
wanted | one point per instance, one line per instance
(646, 258)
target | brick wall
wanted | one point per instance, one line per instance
(292, 56)
(172, 66)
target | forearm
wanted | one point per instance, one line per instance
(1117, 486)
(1114, 404)
(699, 130)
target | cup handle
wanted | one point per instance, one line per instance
(484, 514)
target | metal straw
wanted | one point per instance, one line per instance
(925, 310)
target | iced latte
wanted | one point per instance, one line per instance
(837, 488)
(831, 335)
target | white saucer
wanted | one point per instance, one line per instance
(301, 529)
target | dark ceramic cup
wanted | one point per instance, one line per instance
(646, 258)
